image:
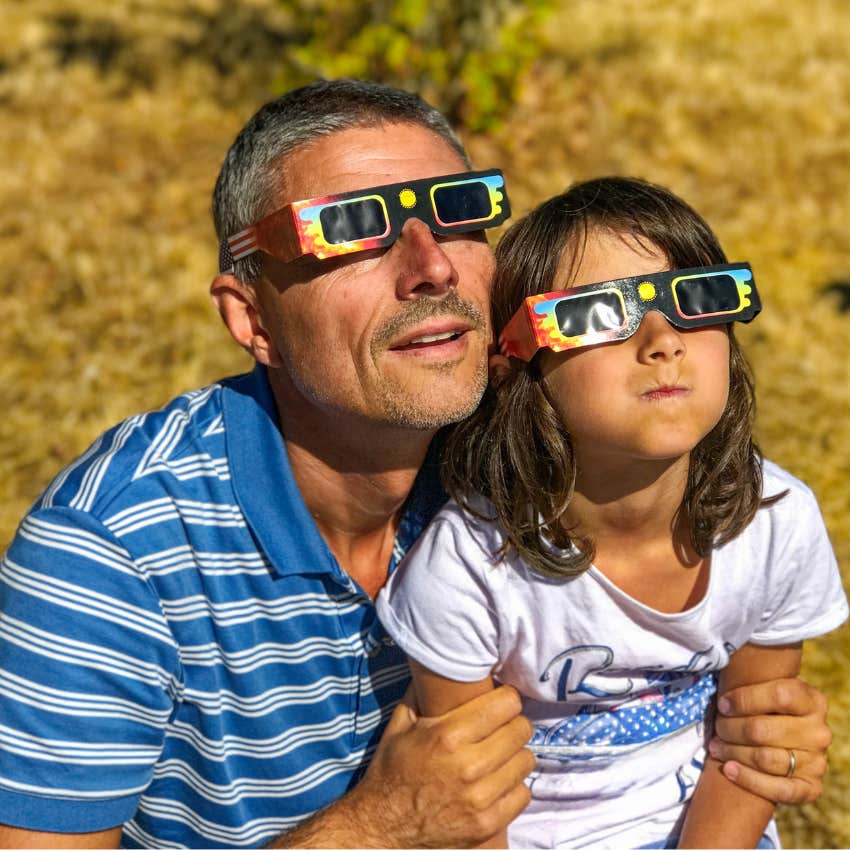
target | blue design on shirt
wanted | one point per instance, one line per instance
(648, 705)
(638, 721)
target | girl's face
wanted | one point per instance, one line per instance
(652, 396)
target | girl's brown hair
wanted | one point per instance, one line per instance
(514, 449)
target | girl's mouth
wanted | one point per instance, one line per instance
(665, 393)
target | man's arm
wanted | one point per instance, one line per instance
(756, 726)
(11, 836)
(447, 781)
(722, 814)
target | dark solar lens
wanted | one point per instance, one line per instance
(699, 296)
(353, 221)
(596, 311)
(462, 202)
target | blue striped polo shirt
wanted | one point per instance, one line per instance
(179, 649)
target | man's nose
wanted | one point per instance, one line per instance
(424, 267)
(659, 340)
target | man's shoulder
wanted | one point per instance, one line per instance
(154, 451)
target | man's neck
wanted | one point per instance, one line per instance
(354, 476)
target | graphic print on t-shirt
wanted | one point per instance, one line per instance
(626, 708)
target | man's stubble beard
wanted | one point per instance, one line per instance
(402, 409)
(394, 400)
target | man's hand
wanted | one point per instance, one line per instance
(448, 781)
(756, 727)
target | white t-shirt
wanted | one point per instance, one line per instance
(617, 691)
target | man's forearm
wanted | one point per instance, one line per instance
(348, 822)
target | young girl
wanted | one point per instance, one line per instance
(615, 541)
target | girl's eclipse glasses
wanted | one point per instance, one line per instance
(372, 218)
(612, 310)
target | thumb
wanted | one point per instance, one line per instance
(404, 717)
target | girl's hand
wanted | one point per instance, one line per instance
(757, 725)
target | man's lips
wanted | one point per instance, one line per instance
(430, 334)
(408, 331)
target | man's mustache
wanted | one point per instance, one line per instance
(423, 308)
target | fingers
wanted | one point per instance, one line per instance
(503, 795)
(409, 698)
(505, 746)
(479, 749)
(790, 791)
(403, 717)
(778, 696)
(773, 760)
(776, 730)
(479, 824)
(494, 799)
(479, 718)
(484, 737)
(452, 780)
(759, 724)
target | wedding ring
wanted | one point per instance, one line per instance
(792, 763)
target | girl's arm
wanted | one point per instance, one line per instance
(720, 813)
(436, 695)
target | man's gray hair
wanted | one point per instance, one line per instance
(252, 177)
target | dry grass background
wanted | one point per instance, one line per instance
(116, 115)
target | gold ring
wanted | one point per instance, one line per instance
(792, 763)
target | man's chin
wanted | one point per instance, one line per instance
(434, 406)
(418, 417)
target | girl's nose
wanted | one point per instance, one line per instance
(658, 340)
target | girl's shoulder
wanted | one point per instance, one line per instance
(793, 517)
(471, 526)
(777, 481)
(475, 517)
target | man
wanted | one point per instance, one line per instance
(189, 648)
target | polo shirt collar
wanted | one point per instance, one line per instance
(269, 498)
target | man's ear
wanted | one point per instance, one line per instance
(500, 369)
(237, 304)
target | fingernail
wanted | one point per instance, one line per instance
(724, 705)
(731, 770)
(714, 747)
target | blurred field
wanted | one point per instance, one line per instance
(117, 115)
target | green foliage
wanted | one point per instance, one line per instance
(464, 56)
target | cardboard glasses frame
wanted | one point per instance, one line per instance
(372, 218)
(612, 310)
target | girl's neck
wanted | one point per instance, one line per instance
(642, 541)
(628, 499)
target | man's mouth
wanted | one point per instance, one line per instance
(429, 340)
(430, 328)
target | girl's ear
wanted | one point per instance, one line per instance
(500, 369)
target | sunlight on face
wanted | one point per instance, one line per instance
(652, 396)
(396, 335)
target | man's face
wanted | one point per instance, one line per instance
(397, 335)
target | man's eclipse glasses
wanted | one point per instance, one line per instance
(612, 310)
(372, 218)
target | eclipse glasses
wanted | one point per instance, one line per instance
(372, 218)
(612, 310)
